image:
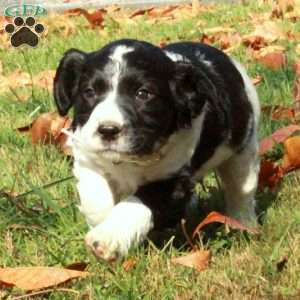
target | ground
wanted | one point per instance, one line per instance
(45, 227)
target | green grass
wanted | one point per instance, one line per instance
(45, 227)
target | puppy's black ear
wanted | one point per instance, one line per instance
(191, 88)
(66, 79)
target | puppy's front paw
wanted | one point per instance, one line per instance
(107, 243)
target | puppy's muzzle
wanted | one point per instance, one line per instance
(109, 131)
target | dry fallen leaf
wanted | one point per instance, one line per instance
(80, 266)
(36, 278)
(45, 79)
(286, 5)
(218, 30)
(217, 217)
(198, 260)
(296, 90)
(164, 11)
(47, 129)
(129, 264)
(257, 79)
(274, 60)
(270, 175)
(296, 67)
(291, 157)
(14, 80)
(277, 112)
(267, 143)
(95, 18)
(59, 23)
(282, 264)
(263, 34)
(141, 12)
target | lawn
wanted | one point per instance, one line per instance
(45, 228)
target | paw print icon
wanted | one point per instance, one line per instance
(24, 32)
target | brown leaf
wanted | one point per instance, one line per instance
(60, 24)
(257, 80)
(95, 18)
(217, 217)
(45, 79)
(141, 12)
(296, 90)
(270, 175)
(218, 30)
(164, 11)
(274, 61)
(40, 128)
(207, 39)
(293, 16)
(25, 128)
(47, 129)
(291, 157)
(80, 266)
(255, 42)
(278, 136)
(198, 260)
(263, 34)
(229, 41)
(14, 80)
(296, 66)
(276, 12)
(36, 278)
(129, 264)
(282, 264)
(277, 112)
(286, 5)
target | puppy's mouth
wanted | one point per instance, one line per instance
(117, 157)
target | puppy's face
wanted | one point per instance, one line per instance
(125, 97)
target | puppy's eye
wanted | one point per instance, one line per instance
(89, 93)
(143, 94)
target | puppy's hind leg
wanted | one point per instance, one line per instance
(239, 176)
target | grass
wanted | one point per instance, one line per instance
(45, 227)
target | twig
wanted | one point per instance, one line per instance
(218, 181)
(46, 292)
(13, 199)
(44, 186)
(194, 247)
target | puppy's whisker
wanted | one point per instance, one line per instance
(71, 135)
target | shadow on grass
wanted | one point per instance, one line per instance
(214, 235)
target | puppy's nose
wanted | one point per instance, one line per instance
(109, 131)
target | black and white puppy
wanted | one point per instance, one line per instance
(144, 116)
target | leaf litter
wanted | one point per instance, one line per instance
(48, 128)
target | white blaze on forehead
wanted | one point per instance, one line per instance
(117, 55)
(108, 110)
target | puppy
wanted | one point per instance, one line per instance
(147, 118)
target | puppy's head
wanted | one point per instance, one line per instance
(128, 97)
